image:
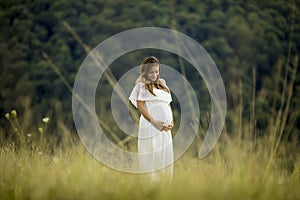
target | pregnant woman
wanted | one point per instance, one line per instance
(151, 96)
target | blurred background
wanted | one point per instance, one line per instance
(255, 44)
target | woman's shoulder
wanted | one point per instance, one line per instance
(163, 82)
(140, 85)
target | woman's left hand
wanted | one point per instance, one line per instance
(168, 127)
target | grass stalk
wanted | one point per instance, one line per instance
(86, 107)
(252, 132)
(107, 74)
(288, 102)
(287, 90)
(240, 114)
(182, 68)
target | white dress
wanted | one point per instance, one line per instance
(155, 147)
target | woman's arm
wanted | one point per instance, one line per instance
(141, 107)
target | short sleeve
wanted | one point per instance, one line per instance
(139, 93)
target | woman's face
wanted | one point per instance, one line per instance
(153, 73)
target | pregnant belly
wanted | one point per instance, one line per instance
(161, 112)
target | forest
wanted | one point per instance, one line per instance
(240, 37)
(254, 44)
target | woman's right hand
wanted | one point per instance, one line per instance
(159, 125)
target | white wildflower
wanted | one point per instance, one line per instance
(40, 130)
(46, 120)
(13, 113)
(7, 115)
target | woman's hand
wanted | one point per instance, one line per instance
(158, 124)
(168, 127)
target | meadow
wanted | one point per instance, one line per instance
(235, 169)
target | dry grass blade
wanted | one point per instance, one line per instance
(85, 106)
(108, 75)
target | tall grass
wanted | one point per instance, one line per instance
(231, 171)
(243, 165)
(237, 168)
(263, 167)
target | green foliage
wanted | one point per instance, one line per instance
(238, 35)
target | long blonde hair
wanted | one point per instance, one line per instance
(146, 66)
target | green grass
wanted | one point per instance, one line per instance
(231, 171)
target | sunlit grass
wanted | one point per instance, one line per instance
(231, 171)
